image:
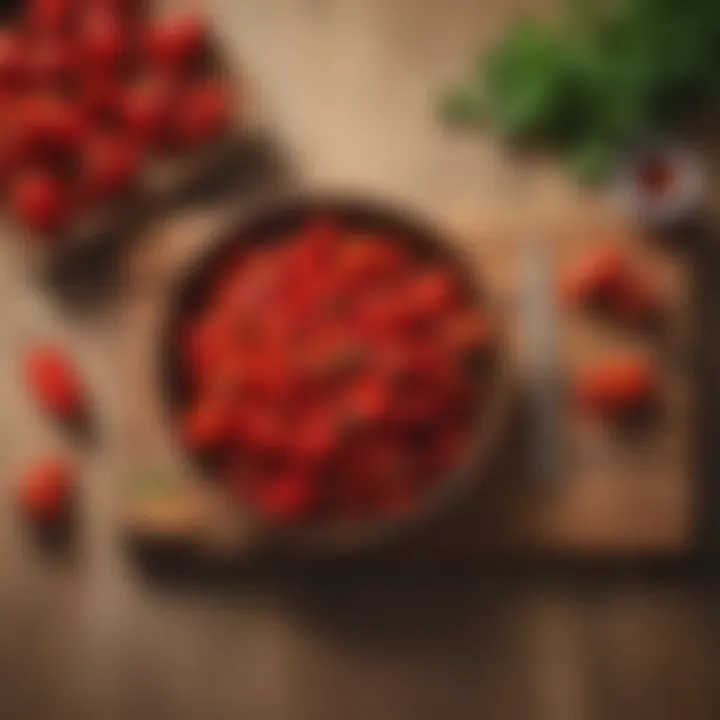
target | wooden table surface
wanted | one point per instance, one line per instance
(346, 86)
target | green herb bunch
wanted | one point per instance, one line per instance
(601, 81)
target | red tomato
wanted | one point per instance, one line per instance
(54, 382)
(594, 277)
(175, 40)
(53, 63)
(111, 164)
(50, 15)
(287, 498)
(13, 59)
(146, 110)
(103, 38)
(315, 439)
(617, 385)
(202, 114)
(468, 332)
(39, 201)
(50, 123)
(207, 427)
(369, 400)
(47, 492)
(431, 292)
(101, 95)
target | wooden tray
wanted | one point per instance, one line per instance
(616, 498)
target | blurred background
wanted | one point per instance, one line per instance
(551, 144)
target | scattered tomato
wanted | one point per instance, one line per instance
(54, 382)
(618, 385)
(47, 492)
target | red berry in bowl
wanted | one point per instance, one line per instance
(13, 65)
(102, 37)
(47, 492)
(175, 40)
(39, 201)
(111, 163)
(50, 16)
(146, 110)
(52, 64)
(203, 113)
(54, 382)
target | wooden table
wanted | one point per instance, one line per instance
(347, 86)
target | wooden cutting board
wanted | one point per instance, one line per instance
(618, 496)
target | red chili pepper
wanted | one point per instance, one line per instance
(47, 492)
(54, 382)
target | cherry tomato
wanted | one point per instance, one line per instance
(203, 113)
(146, 110)
(39, 201)
(13, 60)
(175, 40)
(594, 277)
(50, 16)
(47, 492)
(617, 385)
(103, 38)
(52, 64)
(111, 165)
(207, 427)
(288, 498)
(54, 382)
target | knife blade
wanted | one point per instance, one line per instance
(545, 386)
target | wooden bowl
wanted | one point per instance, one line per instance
(492, 374)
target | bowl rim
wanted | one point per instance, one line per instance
(487, 426)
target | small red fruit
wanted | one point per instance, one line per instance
(54, 382)
(203, 113)
(49, 123)
(617, 385)
(146, 110)
(47, 492)
(206, 427)
(50, 15)
(39, 201)
(288, 498)
(102, 38)
(110, 165)
(594, 277)
(176, 40)
(52, 63)
(13, 65)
